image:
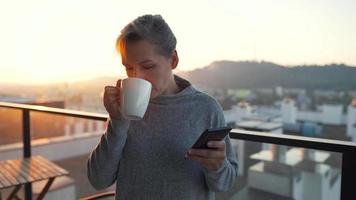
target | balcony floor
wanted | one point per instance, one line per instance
(77, 169)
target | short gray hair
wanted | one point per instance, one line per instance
(152, 28)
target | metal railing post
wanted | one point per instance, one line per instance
(26, 135)
(26, 139)
(348, 175)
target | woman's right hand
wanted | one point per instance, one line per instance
(112, 100)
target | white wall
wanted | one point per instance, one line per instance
(242, 111)
(351, 121)
(239, 147)
(334, 192)
(309, 116)
(325, 186)
(332, 114)
(269, 182)
(298, 187)
(311, 186)
(312, 116)
(319, 117)
(288, 111)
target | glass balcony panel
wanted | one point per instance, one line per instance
(273, 172)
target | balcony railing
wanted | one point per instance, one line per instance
(347, 149)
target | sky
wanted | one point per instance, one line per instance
(47, 41)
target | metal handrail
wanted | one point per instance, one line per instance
(347, 149)
(58, 111)
(296, 141)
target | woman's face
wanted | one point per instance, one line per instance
(141, 60)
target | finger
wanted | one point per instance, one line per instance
(105, 90)
(210, 164)
(112, 101)
(107, 102)
(111, 89)
(217, 144)
(202, 160)
(207, 153)
(111, 96)
(118, 83)
(110, 93)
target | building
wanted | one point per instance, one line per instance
(291, 173)
(245, 149)
(238, 113)
(351, 120)
(288, 111)
(332, 114)
(42, 122)
(297, 173)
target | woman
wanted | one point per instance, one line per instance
(151, 158)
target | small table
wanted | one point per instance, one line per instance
(21, 171)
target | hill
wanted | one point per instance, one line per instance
(229, 74)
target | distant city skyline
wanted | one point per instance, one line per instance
(48, 41)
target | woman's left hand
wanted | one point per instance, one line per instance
(212, 158)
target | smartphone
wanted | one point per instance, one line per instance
(213, 134)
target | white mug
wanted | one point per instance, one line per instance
(134, 97)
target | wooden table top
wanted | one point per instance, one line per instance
(27, 170)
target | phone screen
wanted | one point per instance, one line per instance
(216, 134)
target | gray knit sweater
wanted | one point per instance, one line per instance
(146, 157)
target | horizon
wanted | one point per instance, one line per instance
(176, 71)
(68, 41)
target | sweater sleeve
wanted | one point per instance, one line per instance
(223, 178)
(104, 160)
